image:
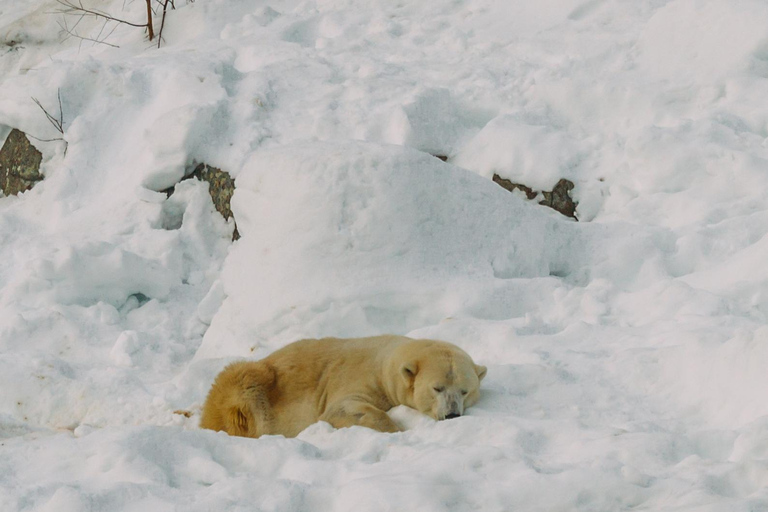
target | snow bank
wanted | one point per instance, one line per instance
(372, 238)
(625, 351)
(531, 149)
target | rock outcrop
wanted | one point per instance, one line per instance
(19, 164)
(221, 186)
(559, 199)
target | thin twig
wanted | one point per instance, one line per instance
(80, 8)
(162, 23)
(106, 22)
(70, 8)
(97, 40)
(57, 123)
(81, 18)
(112, 32)
(46, 140)
(61, 111)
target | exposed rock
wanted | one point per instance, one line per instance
(19, 164)
(559, 199)
(505, 183)
(221, 186)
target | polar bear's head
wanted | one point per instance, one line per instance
(441, 379)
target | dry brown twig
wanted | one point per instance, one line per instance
(78, 9)
(150, 29)
(164, 4)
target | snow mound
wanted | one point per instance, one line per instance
(369, 239)
(626, 352)
(526, 148)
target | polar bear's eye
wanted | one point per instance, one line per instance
(439, 389)
(464, 391)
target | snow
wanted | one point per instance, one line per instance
(626, 352)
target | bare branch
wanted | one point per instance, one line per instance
(93, 12)
(57, 123)
(76, 7)
(45, 140)
(149, 20)
(111, 32)
(70, 8)
(106, 22)
(162, 22)
(71, 33)
(61, 111)
(51, 119)
(82, 16)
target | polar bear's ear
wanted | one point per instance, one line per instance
(481, 371)
(408, 371)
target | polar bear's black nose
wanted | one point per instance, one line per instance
(452, 415)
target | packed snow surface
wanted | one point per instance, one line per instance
(627, 352)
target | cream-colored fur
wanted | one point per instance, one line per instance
(345, 382)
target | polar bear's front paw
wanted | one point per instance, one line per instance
(349, 413)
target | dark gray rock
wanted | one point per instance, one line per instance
(508, 185)
(559, 199)
(221, 186)
(19, 164)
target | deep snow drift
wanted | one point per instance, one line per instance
(626, 352)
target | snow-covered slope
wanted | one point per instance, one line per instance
(627, 352)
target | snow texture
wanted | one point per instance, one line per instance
(627, 352)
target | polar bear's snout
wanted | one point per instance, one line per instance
(449, 405)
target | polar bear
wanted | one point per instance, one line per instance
(345, 382)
